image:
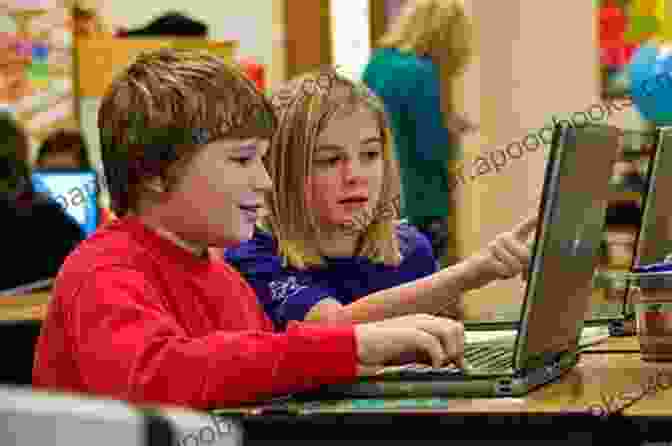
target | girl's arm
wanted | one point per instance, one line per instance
(505, 257)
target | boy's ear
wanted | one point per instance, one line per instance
(156, 184)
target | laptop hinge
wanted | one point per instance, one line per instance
(541, 375)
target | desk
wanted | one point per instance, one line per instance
(557, 411)
(31, 306)
(20, 322)
(625, 344)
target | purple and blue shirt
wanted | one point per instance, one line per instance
(287, 293)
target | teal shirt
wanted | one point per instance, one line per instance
(409, 87)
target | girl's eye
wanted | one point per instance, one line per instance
(372, 154)
(242, 160)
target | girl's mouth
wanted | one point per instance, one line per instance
(353, 200)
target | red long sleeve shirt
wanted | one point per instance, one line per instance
(137, 318)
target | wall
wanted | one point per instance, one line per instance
(257, 25)
(536, 59)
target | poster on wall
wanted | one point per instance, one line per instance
(36, 65)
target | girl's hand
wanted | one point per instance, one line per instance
(459, 125)
(508, 255)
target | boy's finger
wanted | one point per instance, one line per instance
(431, 345)
(449, 332)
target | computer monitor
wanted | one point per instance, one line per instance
(75, 190)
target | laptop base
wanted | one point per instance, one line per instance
(460, 385)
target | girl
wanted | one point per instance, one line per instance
(331, 162)
(413, 72)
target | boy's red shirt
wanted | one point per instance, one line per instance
(137, 318)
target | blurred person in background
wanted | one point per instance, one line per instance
(64, 149)
(36, 230)
(413, 71)
(67, 150)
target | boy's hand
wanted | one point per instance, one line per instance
(406, 339)
(508, 255)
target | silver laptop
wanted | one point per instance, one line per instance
(654, 239)
(558, 293)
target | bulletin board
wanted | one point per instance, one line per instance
(36, 65)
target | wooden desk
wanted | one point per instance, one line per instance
(560, 411)
(625, 344)
(32, 306)
(20, 323)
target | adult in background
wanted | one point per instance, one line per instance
(413, 71)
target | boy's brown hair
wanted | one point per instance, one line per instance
(163, 108)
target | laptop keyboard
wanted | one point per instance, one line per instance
(491, 357)
(485, 357)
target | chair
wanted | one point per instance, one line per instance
(32, 418)
(17, 366)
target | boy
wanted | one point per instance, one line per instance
(142, 312)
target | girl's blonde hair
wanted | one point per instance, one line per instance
(439, 29)
(304, 107)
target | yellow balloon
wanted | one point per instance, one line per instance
(665, 22)
(646, 8)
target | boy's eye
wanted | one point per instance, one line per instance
(328, 161)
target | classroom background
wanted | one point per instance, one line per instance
(535, 62)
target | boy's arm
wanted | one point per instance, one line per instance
(129, 346)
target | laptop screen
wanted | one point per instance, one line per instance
(76, 192)
(655, 239)
(573, 208)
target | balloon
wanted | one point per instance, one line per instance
(650, 72)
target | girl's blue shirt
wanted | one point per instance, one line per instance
(288, 293)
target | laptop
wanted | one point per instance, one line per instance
(654, 239)
(75, 190)
(564, 258)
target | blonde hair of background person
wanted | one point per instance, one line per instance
(441, 30)
(290, 161)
